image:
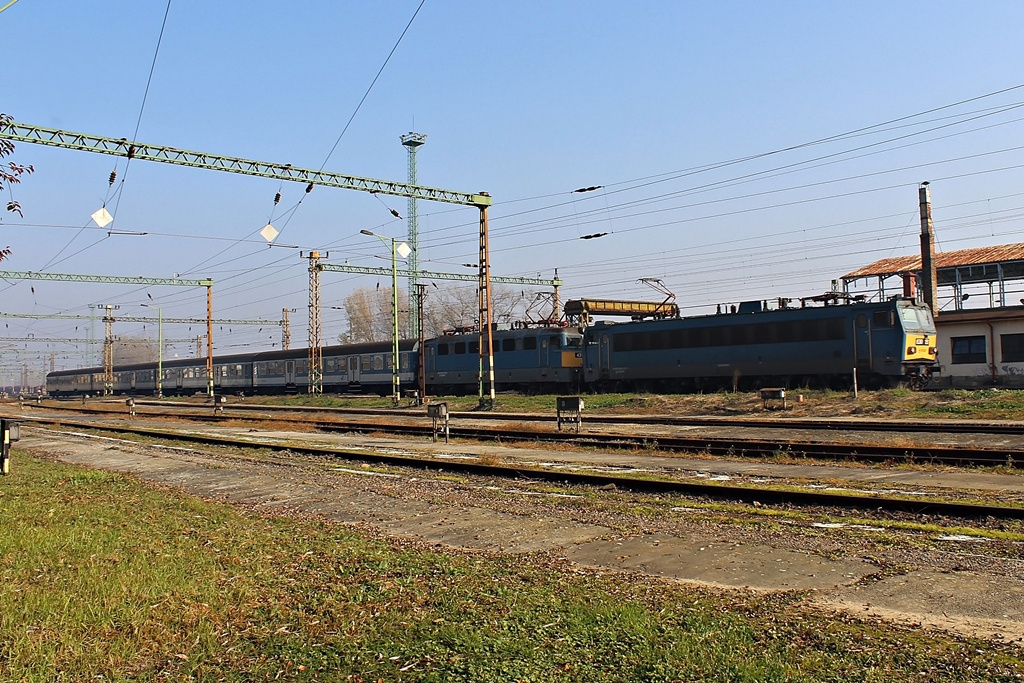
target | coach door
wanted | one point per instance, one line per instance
(289, 372)
(353, 369)
(545, 363)
(604, 354)
(862, 342)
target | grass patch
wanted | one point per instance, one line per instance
(104, 577)
(996, 404)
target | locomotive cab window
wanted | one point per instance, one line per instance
(916, 318)
(883, 319)
(968, 350)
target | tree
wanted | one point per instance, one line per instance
(130, 350)
(10, 174)
(369, 315)
(446, 308)
(458, 307)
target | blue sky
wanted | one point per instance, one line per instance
(527, 101)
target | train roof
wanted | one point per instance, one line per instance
(789, 312)
(512, 332)
(338, 350)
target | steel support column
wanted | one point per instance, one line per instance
(316, 351)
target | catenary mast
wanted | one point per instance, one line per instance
(412, 142)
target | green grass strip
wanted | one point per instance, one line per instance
(103, 578)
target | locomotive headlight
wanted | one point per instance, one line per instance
(911, 350)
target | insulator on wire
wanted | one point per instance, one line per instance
(309, 188)
(277, 198)
(394, 213)
(131, 151)
(113, 177)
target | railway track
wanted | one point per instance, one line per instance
(543, 431)
(796, 424)
(662, 484)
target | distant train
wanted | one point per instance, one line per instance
(884, 344)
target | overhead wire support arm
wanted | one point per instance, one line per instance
(429, 275)
(108, 279)
(130, 280)
(143, 319)
(122, 147)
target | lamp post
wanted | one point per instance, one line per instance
(159, 350)
(397, 249)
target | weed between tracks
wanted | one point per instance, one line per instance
(997, 404)
(105, 578)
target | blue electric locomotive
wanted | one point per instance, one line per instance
(530, 360)
(884, 343)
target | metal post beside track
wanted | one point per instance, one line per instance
(438, 412)
(11, 432)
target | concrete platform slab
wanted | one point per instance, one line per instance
(720, 562)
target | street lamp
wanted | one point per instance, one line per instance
(397, 249)
(160, 349)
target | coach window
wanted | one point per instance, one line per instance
(969, 350)
(403, 362)
(364, 363)
(883, 318)
(529, 343)
(460, 347)
(1012, 347)
(378, 362)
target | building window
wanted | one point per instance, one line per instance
(1012, 347)
(969, 350)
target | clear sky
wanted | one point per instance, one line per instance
(527, 101)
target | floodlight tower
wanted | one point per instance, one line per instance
(412, 142)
